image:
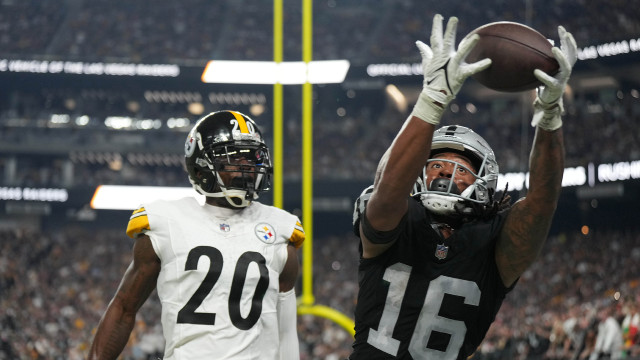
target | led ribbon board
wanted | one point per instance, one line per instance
(113, 197)
(269, 72)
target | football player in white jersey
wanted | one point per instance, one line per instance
(225, 271)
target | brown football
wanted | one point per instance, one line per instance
(515, 51)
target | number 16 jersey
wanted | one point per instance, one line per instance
(427, 297)
(219, 277)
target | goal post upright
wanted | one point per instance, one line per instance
(306, 301)
(278, 142)
(307, 157)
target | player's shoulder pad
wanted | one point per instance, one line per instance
(361, 203)
(285, 221)
(138, 223)
(298, 235)
(358, 208)
(156, 212)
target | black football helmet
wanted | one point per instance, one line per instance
(228, 141)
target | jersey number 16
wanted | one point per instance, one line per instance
(428, 321)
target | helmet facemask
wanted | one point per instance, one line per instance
(476, 201)
(252, 163)
(442, 196)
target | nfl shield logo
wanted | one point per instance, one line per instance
(225, 227)
(441, 251)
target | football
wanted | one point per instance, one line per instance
(515, 51)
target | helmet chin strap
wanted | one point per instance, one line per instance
(230, 194)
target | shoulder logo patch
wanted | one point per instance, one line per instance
(265, 233)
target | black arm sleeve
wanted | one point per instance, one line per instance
(382, 237)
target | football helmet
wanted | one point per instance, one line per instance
(442, 196)
(228, 141)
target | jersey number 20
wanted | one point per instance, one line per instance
(188, 314)
(398, 277)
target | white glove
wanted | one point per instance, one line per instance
(444, 69)
(548, 104)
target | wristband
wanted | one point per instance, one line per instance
(547, 115)
(426, 110)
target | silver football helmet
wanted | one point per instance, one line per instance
(442, 196)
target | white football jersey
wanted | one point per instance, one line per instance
(218, 282)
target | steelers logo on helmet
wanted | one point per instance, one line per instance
(442, 196)
(228, 142)
(190, 145)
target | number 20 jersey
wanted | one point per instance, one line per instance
(428, 297)
(219, 279)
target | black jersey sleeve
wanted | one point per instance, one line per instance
(381, 237)
(374, 236)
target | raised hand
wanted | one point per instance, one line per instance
(548, 105)
(445, 69)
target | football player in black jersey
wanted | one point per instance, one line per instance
(436, 266)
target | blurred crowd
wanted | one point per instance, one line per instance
(580, 299)
(170, 31)
(350, 147)
(346, 147)
(27, 27)
(54, 289)
(590, 21)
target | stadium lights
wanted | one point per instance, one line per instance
(269, 72)
(177, 123)
(125, 122)
(114, 197)
(398, 97)
(82, 120)
(59, 118)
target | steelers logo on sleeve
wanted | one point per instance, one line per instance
(266, 233)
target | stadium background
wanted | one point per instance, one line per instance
(97, 92)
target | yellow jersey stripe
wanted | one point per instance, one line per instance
(297, 238)
(138, 215)
(242, 123)
(137, 224)
(139, 210)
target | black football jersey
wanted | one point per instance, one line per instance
(428, 297)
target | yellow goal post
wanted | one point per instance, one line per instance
(306, 302)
